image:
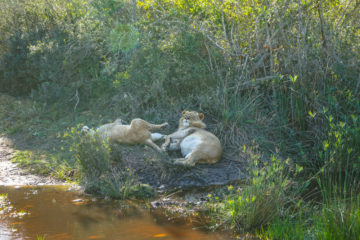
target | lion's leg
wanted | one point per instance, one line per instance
(174, 145)
(153, 145)
(157, 136)
(177, 136)
(156, 126)
(189, 160)
(166, 143)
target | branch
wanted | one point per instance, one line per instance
(77, 99)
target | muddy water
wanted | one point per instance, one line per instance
(53, 212)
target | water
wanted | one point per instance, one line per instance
(53, 212)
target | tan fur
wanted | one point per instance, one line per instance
(138, 132)
(196, 144)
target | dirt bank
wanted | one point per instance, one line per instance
(11, 175)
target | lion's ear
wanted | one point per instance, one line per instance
(201, 116)
(184, 112)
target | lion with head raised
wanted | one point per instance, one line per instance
(196, 144)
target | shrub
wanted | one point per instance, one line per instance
(98, 175)
(270, 194)
(92, 155)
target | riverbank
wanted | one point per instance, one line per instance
(275, 196)
(24, 196)
(12, 175)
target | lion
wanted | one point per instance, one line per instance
(137, 132)
(196, 144)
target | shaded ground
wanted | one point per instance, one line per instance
(10, 174)
(148, 165)
(182, 191)
(157, 169)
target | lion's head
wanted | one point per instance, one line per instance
(191, 119)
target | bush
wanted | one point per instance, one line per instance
(271, 193)
(50, 55)
(98, 175)
(92, 155)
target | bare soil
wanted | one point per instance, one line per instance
(12, 175)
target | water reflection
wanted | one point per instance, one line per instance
(55, 213)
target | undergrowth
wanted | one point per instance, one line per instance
(271, 192)
(97, 175)
(281, 75)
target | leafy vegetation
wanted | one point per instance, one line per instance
(93, 155)
(279, 75)
(268, 196)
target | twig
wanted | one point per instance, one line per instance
(77, 99)
(242, 74)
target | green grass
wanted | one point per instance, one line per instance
(335, 220)
(33, 162)
(269, 194)
(287, 229)
(64, 153)
(339, 219)
(44, 164)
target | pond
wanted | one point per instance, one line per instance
(54, 212)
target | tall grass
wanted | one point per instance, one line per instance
(270, 194)
(334, 219)
(338, 219)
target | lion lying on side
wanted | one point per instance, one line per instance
(196, 144)
(138, 132)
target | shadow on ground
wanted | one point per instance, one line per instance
(157, 169)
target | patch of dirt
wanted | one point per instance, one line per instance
(158, 170)
(11, 175)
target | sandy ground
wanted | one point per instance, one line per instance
(11, 175)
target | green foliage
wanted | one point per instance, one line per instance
(270, 194)
(286, 229)
(283, 74)
(91, 152)
(49, 54)
(123, 37)
(15, 115)
(94, 158)
(34, 162)
(44, 163)
(336, 220)
(340, 154)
